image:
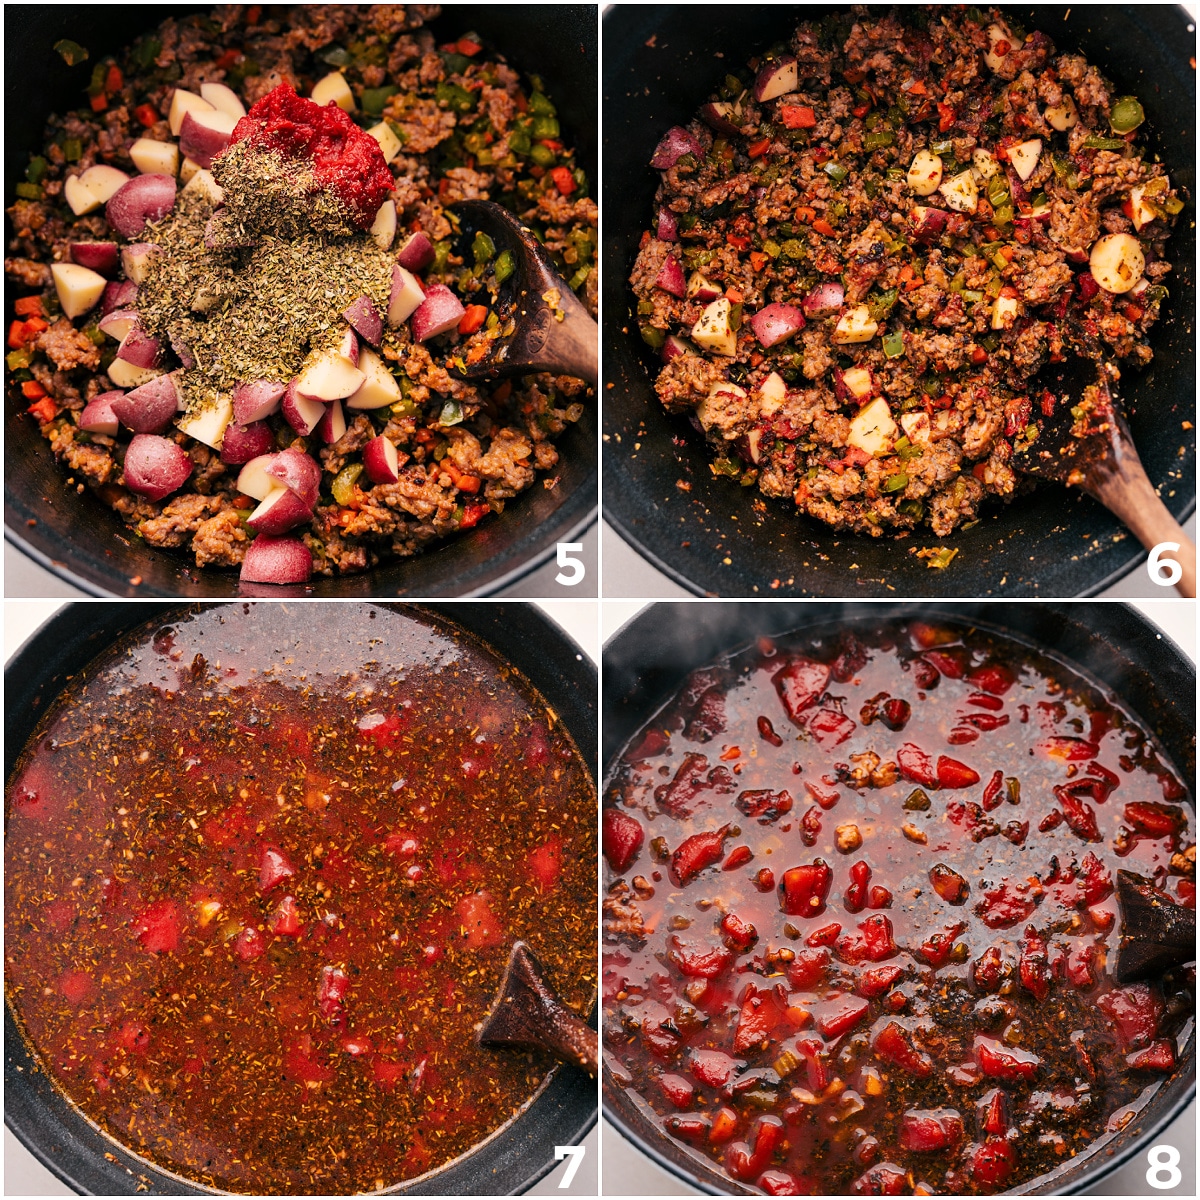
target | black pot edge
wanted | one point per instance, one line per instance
(446, 612)
(1105, 1167)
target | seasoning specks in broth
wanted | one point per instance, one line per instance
(262, 876)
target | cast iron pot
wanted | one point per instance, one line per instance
(647, 660)
(69, 1145)
(1052, 543)
(80, 539)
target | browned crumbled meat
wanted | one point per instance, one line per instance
(685, 381)
(28, 272)
(358, 433)
(506, 464)
(623, 920)
(424, 124)
(94, 463)
(68, 347)
(179, 519)
(221, 541)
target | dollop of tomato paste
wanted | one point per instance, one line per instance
(345, 160)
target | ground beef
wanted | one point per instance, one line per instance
(179, 519)
(67, 347)
(812, 190)
(221, 541)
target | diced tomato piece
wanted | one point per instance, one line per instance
(895, 714)
(800, 682)
(1157, 820)
(916, 765)
(926, 1130)
(739, 856)
(951, 663)
(825, 795)
(825, 936)
(693, 1129)
(381, 729)
(764, 880)
(678, 1091)
(387, 1074)
(993, 1163)
(1096, 880)
(478, 924)
(936, 948)
(835, 1017)
(1136, 1009)
(357, 1045)
(994, 677)
(76, 986)
(883, 1179)
(622, 836)
(249, 944)
(740, 933)
(874, 981)
(761, 1012)
(873, 941)
(226, 829)
(273, 868)
(1080, 967)
(746, 1160)
(782, 1183)
(804, 889)
(401, 845)
(696, 853)
(1066, 749)
(765, 805)
(698, 961)
(993, 793)
(953, 774)
(724, 1126)
(1004, 1062)
(285, 920)
(301, 1065)
(830, 727)
(808, 968)
(1080, 817)
(713, 1068)
(892, 1044)
(1158, 1056)
(1035, 964)
(159, 927)
(1005, 905)
(331, 994)
(545, 864)
(652, 744)
(995, 1111)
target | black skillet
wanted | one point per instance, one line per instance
(90, 1163)
(80, 539)
(645, 662)
(660, 64)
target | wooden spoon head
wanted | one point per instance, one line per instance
(1156, 933)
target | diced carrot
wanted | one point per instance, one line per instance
(913, 284)
(473, 318)
(467, 47)
(945, 117)
(756, 359)
(146, 114)
(36, 325)
(918, 89)
(522, 102)
(738, 242)
(798, 116)
(823, 226)
(443, 188)
(758, 259)
(467, 483)
(28, 306)
(114, 81)
(254, 14)
(563, 180)
(861, 110)
(551, 144)
(32, 390)
(906, 272)
(16, 335)
(759, 148)
(44, 409)
(733, 295)
(979, 356)
(645, 240)
(804, 214)
(99, 102)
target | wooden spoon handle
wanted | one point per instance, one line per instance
(574, 1042)
(1128, 494)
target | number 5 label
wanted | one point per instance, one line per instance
(571, 569)
(576, 1153)
(1164, 1167)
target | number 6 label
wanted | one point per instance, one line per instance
(576, 1153)
(1164, 1167)
(1166, 572)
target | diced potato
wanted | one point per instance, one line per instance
(712, 330)
(203, 184)
(916, 427)
(223, 99)
(383, 229)
(184, 102)
(155, 158)
(379, 387)
(699, 287)
(1063, 116)
(103, 181)
(999, 38)
(873, 429)
(389, 143)
(772, 392)
(79, 288)
(188, 169)
(209, 424)
(1143, 214)
(1117, 262)
(961, 192)
(125, 375)
(984, 165)
(1024, 157)
(1005, 311)
(333, 89)
(858, 382)
(855, 325)
(79, 197)
(925, 173)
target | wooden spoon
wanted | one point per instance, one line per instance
(553, 331)
(1095, 452)
(1156, 933)
(528, 1014)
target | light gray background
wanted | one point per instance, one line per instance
(628, 1172)
(25, 1176)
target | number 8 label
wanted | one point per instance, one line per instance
(1163, 1160)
